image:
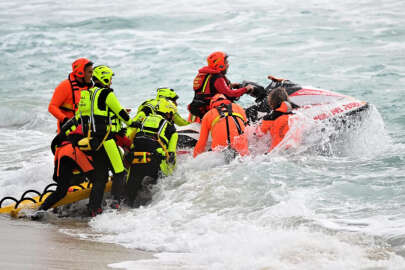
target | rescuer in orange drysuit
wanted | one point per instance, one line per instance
(212, 80)
(66, 97)
(276, 122)
(226, 121)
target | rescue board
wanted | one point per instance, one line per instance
(75, 194)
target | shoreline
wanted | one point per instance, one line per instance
(34, 245)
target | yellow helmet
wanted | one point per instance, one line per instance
(167, 93)
(103, 74)
(165, 106)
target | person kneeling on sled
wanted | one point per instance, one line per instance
(153, 152)
(277, 121)
(72, 166)
(226, 121)
(212, 80)
(149, 107)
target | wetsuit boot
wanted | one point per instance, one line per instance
(38, 215)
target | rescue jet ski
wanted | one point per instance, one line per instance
(340, 111)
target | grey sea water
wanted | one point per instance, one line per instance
(342, 210)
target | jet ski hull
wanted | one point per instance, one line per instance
(341, 111)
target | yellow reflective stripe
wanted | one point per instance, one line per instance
(105, 137)
(215, 121)
(239, 115)
(67, 107)
(163, 127)
(92, 98)
(205, 84)
(164, 148)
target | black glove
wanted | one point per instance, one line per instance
(122, 132)
(74, 138)
(129, 157)
(68, 124)
(135, 124)
(64, 121)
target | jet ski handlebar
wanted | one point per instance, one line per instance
(259, 92)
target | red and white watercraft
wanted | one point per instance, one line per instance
(328, 107)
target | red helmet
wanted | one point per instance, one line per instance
(218, 100)
(216, 60)
(78, 67)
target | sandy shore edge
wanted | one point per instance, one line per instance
(31, 245)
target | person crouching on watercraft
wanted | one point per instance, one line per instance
(211, 80)
(153, 152)
(277, 121)
(226, 121)
(96, 107)
(70, 162)
(149, 107)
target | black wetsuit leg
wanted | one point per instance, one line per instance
(101, 165)
(117, 187)
(138, 171)
(66, 168)
(137, 174)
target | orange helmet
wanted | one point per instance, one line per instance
(216, 60)
(78, 67)
(218, 100)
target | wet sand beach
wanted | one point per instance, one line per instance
(30, 245)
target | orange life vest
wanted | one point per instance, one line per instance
(227, 126)
(204, 90)
(80, 158)
(277, 124)
(65, 99)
